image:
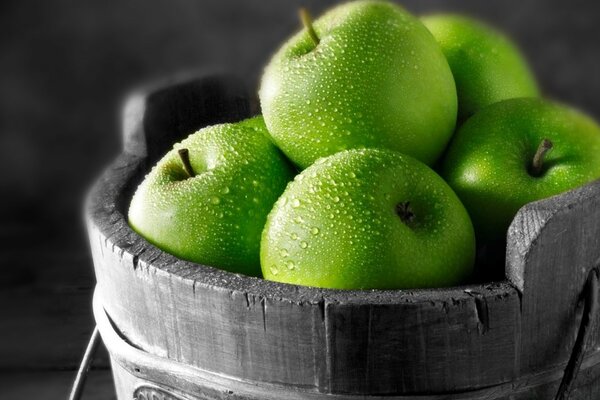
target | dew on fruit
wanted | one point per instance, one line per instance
(225, 190)
(290, 265)
(284, 253)
(314, 231)
(296, 203)
(215, 200)
(294, 236)
(303, 244)
(274, 270)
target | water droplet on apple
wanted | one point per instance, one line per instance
(314, 231)
(284, 253)
(296, 203)
(215, 200)
(274, 270)
(336, 199)
(225, 190)
(291, 265)
(303, 244)
(294, 236)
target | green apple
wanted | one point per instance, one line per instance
(515, 152)
(366, 219)
(207, 200)
(486, 65)
(367, 74)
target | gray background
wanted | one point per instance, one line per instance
(64, 69)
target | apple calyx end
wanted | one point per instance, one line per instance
(537, 164)
(404, 211)
(184, 154)
(307, 22)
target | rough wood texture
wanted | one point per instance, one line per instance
(552, 246)
(473, 338)
(135, 369)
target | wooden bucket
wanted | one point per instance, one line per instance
(178, 330)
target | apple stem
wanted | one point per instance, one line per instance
(538, 159)
(184, 154)
(405, 212)
(307, 21)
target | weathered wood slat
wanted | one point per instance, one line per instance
(437, 343)
(552, 246)
(136, 369)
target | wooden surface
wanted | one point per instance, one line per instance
(346, 342)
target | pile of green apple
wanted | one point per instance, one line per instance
(386, 146)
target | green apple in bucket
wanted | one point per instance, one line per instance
(207, 199)
(365, 74)
(486, 65)
(368, 218)
(518, 151)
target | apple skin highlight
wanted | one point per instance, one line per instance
(337, 226)
(216, 216)
(376, 78)
(487, 66)
(488, 163)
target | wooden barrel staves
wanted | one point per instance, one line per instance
(178, 330)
